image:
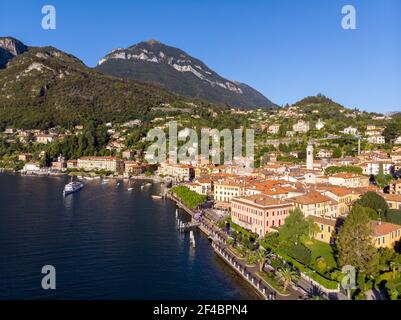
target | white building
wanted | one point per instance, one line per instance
(324, 154)
(373, 167)
(31, 167)
(301, 126)
(350, 130)
(273, 129)
(377, 139)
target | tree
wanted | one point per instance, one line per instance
(251, 259)
(261, 258)
(337, 153)
(392, 132)
(354, 242)
(286, 275)
(312, 227)
(295, 227)
(374, 201)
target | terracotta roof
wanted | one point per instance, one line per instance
(310, 198)
(260, 200)
(98, 158)
(325, 221)
(392, 197)
(338, 191)
(383, 228)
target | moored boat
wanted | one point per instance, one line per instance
(73, 186)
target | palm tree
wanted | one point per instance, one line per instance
(251, 259)
(261, 258)
(286, 274)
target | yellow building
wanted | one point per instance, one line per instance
(385, 235)
(328, 228)
(227, 189)
(101, 163)
(345, 197)
(349, 180)
(316, 204)
(393, 200)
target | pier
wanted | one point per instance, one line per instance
(219, 244)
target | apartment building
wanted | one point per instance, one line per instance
(349, 180)
(384, 234)
(101, 163)
(316, 204)
(259, 213)
(393, 200)
(301, 126)
(228, 189)
(395, 187)
(179, 172)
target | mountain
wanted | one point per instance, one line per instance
(43, 86)
(9, 48)
(175, 70)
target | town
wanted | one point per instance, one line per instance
(318, 180)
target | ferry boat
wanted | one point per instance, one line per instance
(73, 186)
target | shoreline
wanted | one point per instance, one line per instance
(155, 179)
(230, 261)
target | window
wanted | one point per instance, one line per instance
(322, 227)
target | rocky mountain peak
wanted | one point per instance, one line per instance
(174, 69)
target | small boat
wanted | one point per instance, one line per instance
(89, 178)
(73, 186)
(148, 184)
(156, 197)
(142, 187)
(96, 178)
(130, 189)
(79, 177)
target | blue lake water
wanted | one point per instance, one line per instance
(105, 242)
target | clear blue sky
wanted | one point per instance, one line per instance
(287, 49)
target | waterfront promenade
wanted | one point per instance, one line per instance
(248, 273)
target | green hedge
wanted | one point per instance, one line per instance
(327, 283)
(393, 216)
(189, 198)
(300, 253)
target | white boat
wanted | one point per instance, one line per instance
(79, 177)
(142, 187)
(156, 197)
(130, 189)
(89, 178)
(148, 184)
(73, 186)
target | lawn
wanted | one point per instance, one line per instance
(321, 249)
